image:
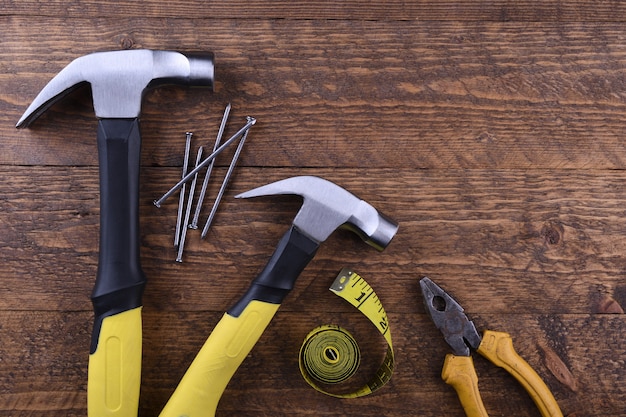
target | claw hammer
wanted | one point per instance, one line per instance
(118, 81)
(325, 208)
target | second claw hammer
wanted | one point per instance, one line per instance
(326, 207)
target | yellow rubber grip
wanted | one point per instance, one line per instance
(459, 372)
(498, 348)
(201, 388)
(115, 367)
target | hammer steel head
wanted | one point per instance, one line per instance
(119, 78)
(327, 207)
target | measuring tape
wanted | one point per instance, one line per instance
(329, 353)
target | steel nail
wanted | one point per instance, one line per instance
(229, 173)
(192, 189)
(181, 199)
(205, 183)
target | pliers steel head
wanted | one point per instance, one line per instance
(458, 369)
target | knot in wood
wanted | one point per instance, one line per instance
(127, 42)
(551, 233)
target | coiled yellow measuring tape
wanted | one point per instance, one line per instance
(329, 353)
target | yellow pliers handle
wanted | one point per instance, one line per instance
(497, 347)
(459, 372)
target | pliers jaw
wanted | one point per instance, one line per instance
(449, 317)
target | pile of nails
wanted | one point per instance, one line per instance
(183, 224)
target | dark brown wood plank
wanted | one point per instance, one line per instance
(408, 95)
(50, 377)
(501, 11)
(492, 131)
(523, 237)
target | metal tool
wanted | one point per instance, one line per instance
(326, 207)
(118, 81)
(205, 183)
(181, 198)
(220, 193)
(192, 190)
(207, 161)
(458, 369)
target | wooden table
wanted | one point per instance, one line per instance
(493, 132)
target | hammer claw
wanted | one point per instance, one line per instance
(60, 86)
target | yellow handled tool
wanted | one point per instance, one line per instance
(201, 388)
(118, 81)
(115, 366)
(458, 369)
(326, 207)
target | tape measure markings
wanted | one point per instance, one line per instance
(354, 289)
(378, 317)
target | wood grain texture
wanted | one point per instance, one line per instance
(491, 131)
(268, 383)
(427, 95)
(510, 233)
(392, 10)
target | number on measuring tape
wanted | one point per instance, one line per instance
(355, 290)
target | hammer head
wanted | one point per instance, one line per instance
(119, 78)
(327, 207)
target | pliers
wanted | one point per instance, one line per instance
(458, 368)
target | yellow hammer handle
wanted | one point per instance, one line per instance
(115, 367)
(498, 348)
(199, 392)
(459, 372)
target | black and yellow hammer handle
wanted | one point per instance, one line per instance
(115, 355)
(199, 392)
